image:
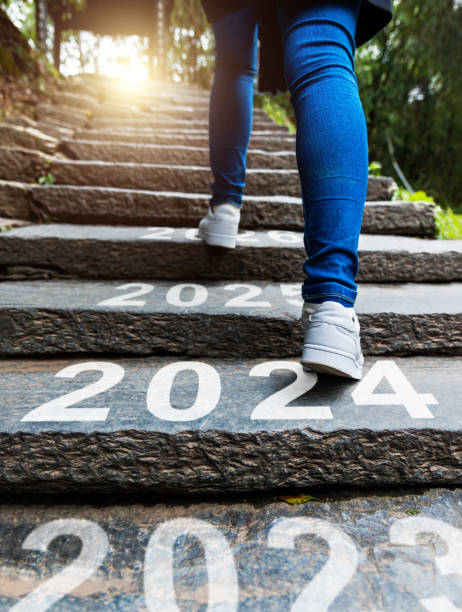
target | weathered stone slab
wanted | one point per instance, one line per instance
(7, 223)
(165, 425)
(19, 164)
(181, 105)
(187, 178)
(112, 206)
(55, 130)
(400, 217)
(134, 121)
(79, 100)
(22, 121)
(266, 141)
(163, 121)
(107, 113)
(104, 252)
(382, 549)
(75, 85)
(15, 200)
(26, 137)
(161, 93)
(118, 90)
(214, 318)
(167, 154)
(169, 177)
(69, 115)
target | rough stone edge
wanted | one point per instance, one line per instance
(403, 217)
(75, 258)
(210, 335)
(218, 460)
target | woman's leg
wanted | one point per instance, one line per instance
(231, 103)
(332, 147)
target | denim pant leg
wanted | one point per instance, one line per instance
(231, 102)
(332, 147)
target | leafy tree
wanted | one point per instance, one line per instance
(411, 86)
(191, 54)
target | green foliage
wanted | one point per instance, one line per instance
(47, 179)
(417, 196)
(22, 13)
(278, 107)
(7, 63)
(191, 56)
(375, 168)
(448, 224)
(410, 83)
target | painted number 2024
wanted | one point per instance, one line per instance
(209, 391)
(223, 589)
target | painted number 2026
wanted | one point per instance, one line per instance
(209, 391)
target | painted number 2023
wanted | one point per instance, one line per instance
(223, 587)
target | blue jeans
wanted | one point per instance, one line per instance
(331, 143)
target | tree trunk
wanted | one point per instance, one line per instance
(41, 24)
(57, 45)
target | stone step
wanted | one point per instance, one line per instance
(164, 425)
(167, 154)
(76, 86)
(17, 164)
(67, 115)
(381, 549)
(173, 97)
(113, 112)
(159, 124)
(78, 100)
(110, 111)
(137, 118)
(171, 121)
(111, 88)
(7, 223)
(113, 206)
(26, 137)
(152, 95)
(109, 252)
(55, 130)
(260, 139)
(213, 319)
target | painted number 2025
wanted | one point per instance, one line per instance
(209, 391)
(223, 586)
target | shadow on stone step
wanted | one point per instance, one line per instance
(321, 494)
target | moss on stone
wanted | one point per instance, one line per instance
(7, 62)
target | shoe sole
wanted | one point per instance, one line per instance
(325, 362)
(218, 240)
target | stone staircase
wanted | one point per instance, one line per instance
(137, 361)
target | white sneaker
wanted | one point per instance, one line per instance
(220, 226)
(331, 340)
